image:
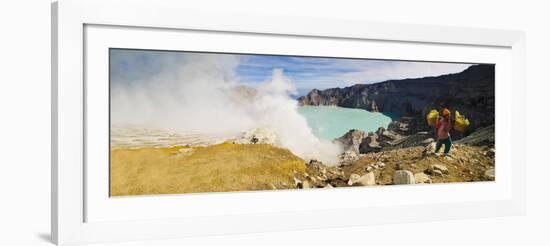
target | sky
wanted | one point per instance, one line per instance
(306, 73)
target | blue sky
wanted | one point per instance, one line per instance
(305, 72)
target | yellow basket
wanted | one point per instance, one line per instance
(432, 117)
(461, 123)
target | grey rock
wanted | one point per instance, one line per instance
(380, 131)
(370, 144)
(403, 177)
(351, 140)
(390, 135)
(399, 126)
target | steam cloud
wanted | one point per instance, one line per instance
(202, 94)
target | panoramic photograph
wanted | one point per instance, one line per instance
(200, 122)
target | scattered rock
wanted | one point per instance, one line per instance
(437, 173)
(306, 185)
(380, 164)
(489, 174)
(422, 178)
(403, 177)
(328, 186)
(298, 183)
(348, 157)
(430, 148)
(443, 169)
(490, 152)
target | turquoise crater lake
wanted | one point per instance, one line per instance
(330, 122)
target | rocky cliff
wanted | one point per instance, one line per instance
(471, 92)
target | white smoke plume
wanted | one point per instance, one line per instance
(197, 94)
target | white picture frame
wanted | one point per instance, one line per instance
(79, 216)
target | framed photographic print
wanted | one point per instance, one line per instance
(171, 123)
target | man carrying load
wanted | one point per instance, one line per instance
(443, 125)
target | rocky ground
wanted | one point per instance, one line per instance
(252, 162)
(412, 165)
(387, 157)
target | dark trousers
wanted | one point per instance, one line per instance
(447, 142)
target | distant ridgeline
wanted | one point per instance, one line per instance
(471, 92)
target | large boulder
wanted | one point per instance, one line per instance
(366, 180)
(403, 177)
(351, 140)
